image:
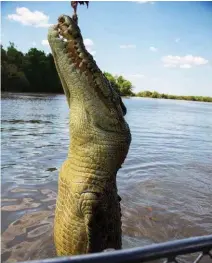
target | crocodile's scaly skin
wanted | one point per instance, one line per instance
(88, 214)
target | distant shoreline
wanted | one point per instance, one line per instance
(138, 95)
(173, 99)
(35, 72)
(156, 95)
(195, 100)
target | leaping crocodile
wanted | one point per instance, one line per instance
(88, 214)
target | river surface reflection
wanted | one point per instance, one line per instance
(165, 182)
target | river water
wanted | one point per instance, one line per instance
(165, 182)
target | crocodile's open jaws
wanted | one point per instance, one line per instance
(88, 215)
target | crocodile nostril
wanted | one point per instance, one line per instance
(61, 19)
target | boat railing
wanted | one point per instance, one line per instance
(192, 250)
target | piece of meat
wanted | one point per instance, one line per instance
(74, 4)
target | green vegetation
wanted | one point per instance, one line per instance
(31, 72)
(35, 71)
(155, 94)
(123, 87)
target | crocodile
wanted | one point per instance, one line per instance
(88, 213)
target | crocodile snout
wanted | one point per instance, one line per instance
(68, 28)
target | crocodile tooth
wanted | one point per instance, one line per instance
(85, 61)
(77, 70)
(79, 49)
(81, 64)
(81, 55)
(70, 41)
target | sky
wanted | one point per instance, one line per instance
(158, 46)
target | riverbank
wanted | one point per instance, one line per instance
(138, 95)
(156, 95)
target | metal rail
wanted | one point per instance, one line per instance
(168, 252)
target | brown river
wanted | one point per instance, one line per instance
(165, 182)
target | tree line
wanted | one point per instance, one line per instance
(35, 71)
(155, 94)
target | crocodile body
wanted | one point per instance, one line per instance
(88, 214)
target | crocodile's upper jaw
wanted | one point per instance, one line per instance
(81, 78)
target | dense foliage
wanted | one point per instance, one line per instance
(31, 72)
(155, 94)
(123, 87)
(35, 72)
